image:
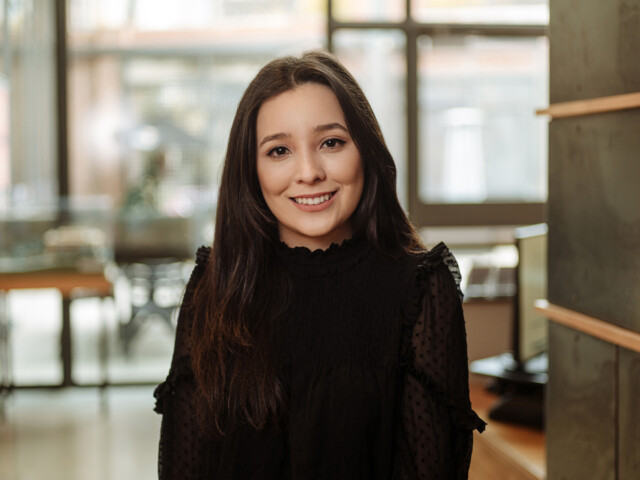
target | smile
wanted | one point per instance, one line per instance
(313, 200)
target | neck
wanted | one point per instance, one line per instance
(293, 240)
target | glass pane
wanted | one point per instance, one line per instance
(88, 15)
(129, 16)
(5, 152)
(34, 343)
(28, 168)
(480, 140)
(530, 12)
(375, 10)
(376, 58)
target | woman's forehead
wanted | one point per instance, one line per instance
(306, 106)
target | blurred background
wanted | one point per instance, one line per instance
(114, 117)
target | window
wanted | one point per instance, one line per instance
(455, 101)
(154, 87)
(28, 134)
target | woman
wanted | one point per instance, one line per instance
(317, 338)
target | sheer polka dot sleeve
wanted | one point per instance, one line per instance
(437, 421)
(183, 452)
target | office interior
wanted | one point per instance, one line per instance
(514, 125)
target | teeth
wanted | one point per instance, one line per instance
(314, 200)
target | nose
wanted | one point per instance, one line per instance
(308, 167)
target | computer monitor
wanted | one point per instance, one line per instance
(520, 375)
(529, 326)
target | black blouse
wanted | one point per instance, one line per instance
(374, 359)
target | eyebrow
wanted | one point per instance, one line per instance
(318, 128)
(275, 136)
(329, 126)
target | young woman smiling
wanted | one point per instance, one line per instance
(318, 338)
(309, 168)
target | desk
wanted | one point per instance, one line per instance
(505, 451)
(66, 281)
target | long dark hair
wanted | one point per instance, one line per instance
(243, 290)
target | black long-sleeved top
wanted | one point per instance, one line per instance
(373, 356)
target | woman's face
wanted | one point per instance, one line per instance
(309, 168)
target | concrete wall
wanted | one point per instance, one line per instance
(593, 420)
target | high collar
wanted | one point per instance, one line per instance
(302, 262)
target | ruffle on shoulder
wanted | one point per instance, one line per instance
(439, 257)
(181, 369)
(202, 255)
(429, 261)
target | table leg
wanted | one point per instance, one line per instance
(103, 350)
(66, 344)
(5, 352)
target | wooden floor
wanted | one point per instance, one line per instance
(68, 435)
(505, 451)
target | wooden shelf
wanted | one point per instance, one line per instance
(590, 325)
(592, 106)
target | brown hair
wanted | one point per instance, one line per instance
(243, 290)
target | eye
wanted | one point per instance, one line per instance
(277, 151)
(333, 142)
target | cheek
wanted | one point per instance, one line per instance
(356, 179)
(269, 179)
(358, 190)
(360, 180)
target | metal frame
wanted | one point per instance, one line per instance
(422, 214)
(61, 97)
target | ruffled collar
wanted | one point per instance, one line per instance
(301, 261)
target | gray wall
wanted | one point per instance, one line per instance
(593, 419)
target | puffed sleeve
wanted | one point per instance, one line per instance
(436, 420)
(183, 452)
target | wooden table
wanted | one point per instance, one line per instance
(67, 281)
(505, 451)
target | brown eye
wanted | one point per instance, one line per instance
(277, 151)
(333, 142)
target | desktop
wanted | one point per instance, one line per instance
(519, 376)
